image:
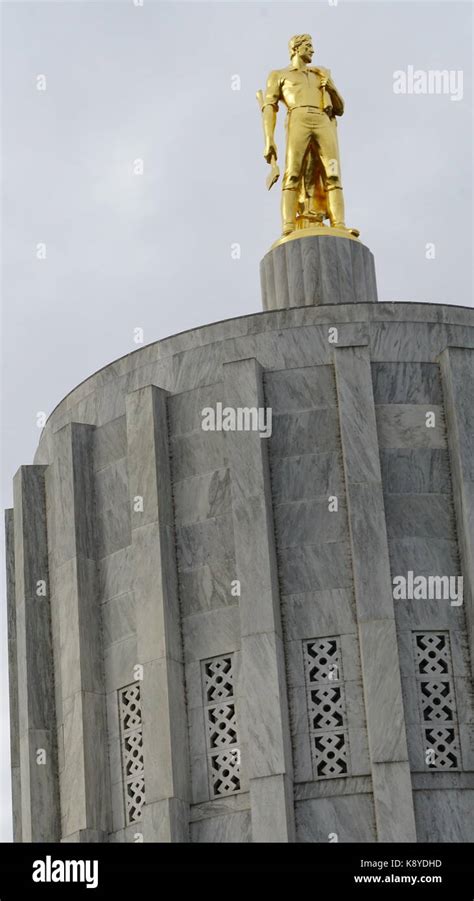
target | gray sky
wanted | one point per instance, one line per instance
(126, 82)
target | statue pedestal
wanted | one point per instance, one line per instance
(316, 266)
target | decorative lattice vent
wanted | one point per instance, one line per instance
(131, 735)
(326, 707)
(437, 700)
(223, 752)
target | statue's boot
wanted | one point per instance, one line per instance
(336, 207)
(336, 211)
(289, 204)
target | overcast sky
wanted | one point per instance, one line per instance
(154, 82)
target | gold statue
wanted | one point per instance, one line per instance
(312, 188)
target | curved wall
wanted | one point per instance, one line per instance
(215, 653)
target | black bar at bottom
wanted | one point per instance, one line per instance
(63, 869)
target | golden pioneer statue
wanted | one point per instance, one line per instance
(312, 187)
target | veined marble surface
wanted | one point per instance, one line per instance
(165, 546)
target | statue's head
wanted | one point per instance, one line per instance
(301, 44)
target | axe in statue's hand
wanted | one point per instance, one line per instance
(271, 158)
(274, 173)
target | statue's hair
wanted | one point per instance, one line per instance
(296, 42)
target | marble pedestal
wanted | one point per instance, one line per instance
(309, 269)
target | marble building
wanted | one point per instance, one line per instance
(204, 643)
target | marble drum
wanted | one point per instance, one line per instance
(203, 633)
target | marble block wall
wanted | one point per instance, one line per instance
(204, 644)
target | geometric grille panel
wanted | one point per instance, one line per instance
(218, 679)
(330, 754)
(432, 653)
(322, 660)
(326, 707)
(135, 799)
(442, 749)
(131, 733)
(221, 726)
(225, 772)
(437, 700)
